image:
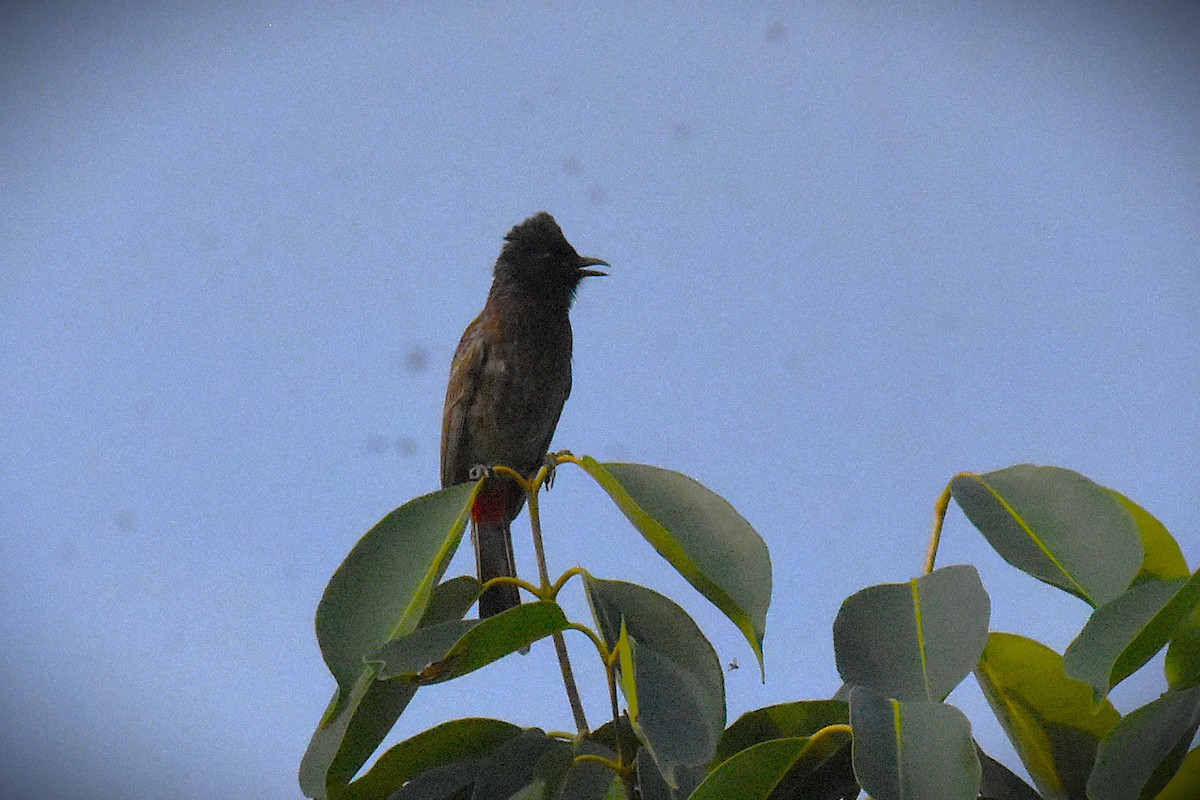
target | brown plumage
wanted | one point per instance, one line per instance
(509, 379)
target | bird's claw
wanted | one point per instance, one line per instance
(551, 463)
(479, 472)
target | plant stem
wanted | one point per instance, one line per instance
(939, 517)
(560, 644)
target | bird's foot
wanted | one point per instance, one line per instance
(551, 463)
(479, 472)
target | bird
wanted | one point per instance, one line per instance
(509, 379)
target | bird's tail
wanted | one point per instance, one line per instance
(494, 559)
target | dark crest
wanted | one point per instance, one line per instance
(536, 254)
(538, 240)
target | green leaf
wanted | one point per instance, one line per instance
(616, 737)
(754, 773)
(409, 655)
(997, 782)
(1185, 785)
(516, 764)
(915, 640)
(1051, 719)
(782, 721)
(458, 742)
(1125, 633)
(1056, 525)
(1131, 753)
(340, 747)
(451, 650)
(651, 785)
(1182, 664)
(1161, 556)
(380, 591)
(701, 535)
(319, 778)
(451, 600)
(914, 750)
(669, 672)
(832, 779)
(589, 780)
(451, 782)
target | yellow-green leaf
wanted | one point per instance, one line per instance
(711, 545)
(1125, 633)
(381, 589)
(1056, 525)
(1050, 718)
(1161, 556)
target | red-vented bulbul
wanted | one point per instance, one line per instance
(510, 377)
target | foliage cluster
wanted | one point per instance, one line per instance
(389, 624)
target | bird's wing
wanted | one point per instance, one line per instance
(465, 370)
(560, 392)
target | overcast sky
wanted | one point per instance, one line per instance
(856, 248)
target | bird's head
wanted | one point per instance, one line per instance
(537, 257)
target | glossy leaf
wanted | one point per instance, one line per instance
(1185, 784)
(1056, 525)
(1131, 753)
(700, 534)
(1051, 719)
(515, 764)
(998, 782)
(669, 672)
(1161, 556)
(1182, 664)
(458, 742)
(589, 780)
(616, 736)
(451, 782)
(380, 591)
(756, 772)
(340, 747)
(407, 656)
(912, 750)
(915, 640)
(752, 773)
(451, 650)
(1125, 633)
(782, 721)
(651, 785)
(319, 778)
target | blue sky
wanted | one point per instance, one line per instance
(854, 251)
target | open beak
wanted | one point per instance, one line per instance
(589, 261)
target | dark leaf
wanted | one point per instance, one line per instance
(1130, 755)
(676, 690)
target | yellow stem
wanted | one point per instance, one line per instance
(566, 576)
(560, 644)
(939, 517)
(505, 579)
(608, 762)
(605, 656)
(509, 472)
(829, 730)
